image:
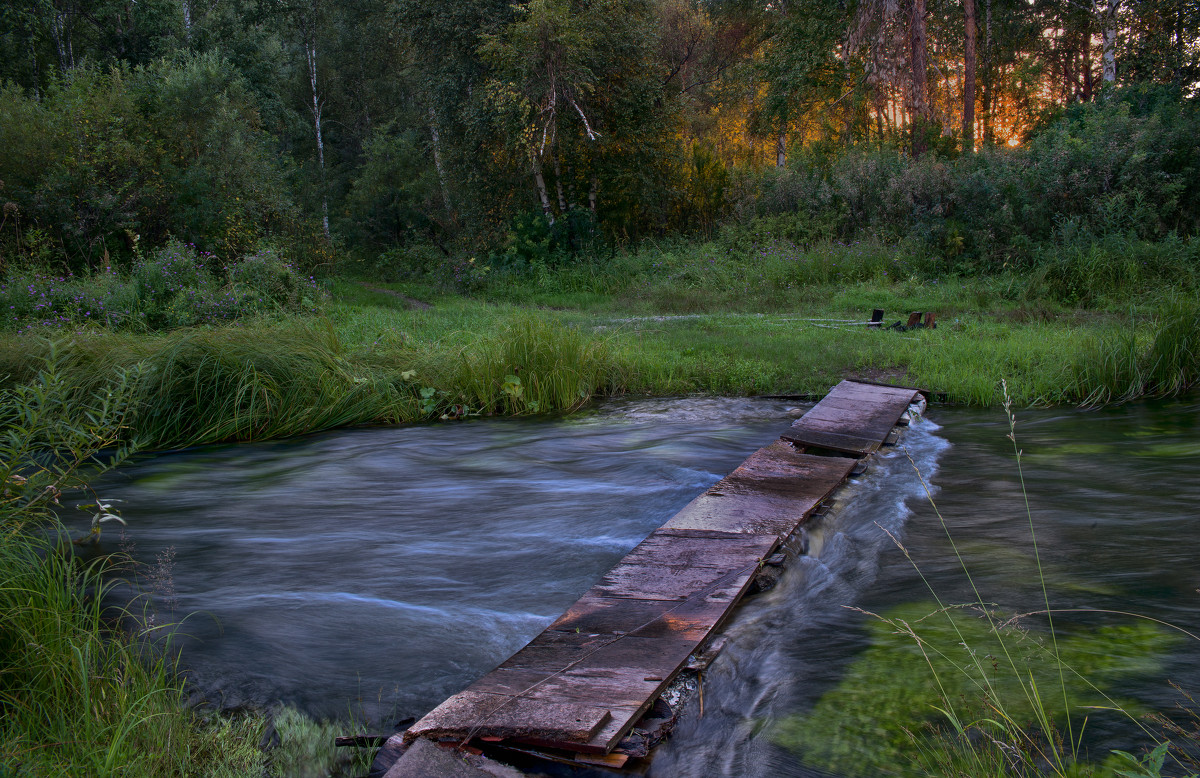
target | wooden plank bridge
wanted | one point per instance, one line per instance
(579, 689)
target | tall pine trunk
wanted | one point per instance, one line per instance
(919, 92)
(968, 121)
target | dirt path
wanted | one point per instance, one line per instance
(409, 302)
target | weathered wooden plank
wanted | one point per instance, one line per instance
(477, 714)
(854, 418)
(768, 495)
(553, 651)
(654, 582)
(605, 688)
(725, 552)
(692, 620)
(812, 437)
(604, 741)
(594, 615)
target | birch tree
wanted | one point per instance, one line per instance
(545, 80)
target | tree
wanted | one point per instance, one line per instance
(801, 65)
(919, 84)
(969, 65)
(544, 62)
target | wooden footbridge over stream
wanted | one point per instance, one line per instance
(588, 690)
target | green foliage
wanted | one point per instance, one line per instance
(306, 749)
(78, 697)
(175, 286)
(109, 159)
(529, 365)
(209, 386)
(1128, 364)
(391, 197)
(1096, 181)
(702, 200)
(52, 431)
(922, 659)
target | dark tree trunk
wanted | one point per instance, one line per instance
(988, 76)
(919, 93)
(968, 122)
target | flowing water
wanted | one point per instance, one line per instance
(373, 572)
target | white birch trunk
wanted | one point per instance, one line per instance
(562, 200)
(1110, 44)
(540, 181)
(781, 149)
(310, 50)
(60, 31)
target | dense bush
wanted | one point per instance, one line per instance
(175, 286)
(108, 162)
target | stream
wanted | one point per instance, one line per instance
(370, 573)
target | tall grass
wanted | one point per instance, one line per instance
(528, 364)
(81, 698)
(370, 363)
(87, 690)
(1165, 361)
(78, 696)
(213, 385)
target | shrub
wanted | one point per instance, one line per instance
(264, 282)
(175, 286)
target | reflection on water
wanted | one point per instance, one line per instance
(380, 570)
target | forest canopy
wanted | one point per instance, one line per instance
(539, 127)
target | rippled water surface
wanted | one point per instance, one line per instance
(376, 571)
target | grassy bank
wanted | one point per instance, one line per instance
(84, 690)
(372, 357)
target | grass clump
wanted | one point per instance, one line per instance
(1163, 360)
(528, 364)
(935, 695)
(214, 385)
(84, 689)
(78, 695)
(81, 698)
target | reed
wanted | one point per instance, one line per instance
(215, 385)
(78, 695)
(1128, 364)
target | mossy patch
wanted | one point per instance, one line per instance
(892, 713)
